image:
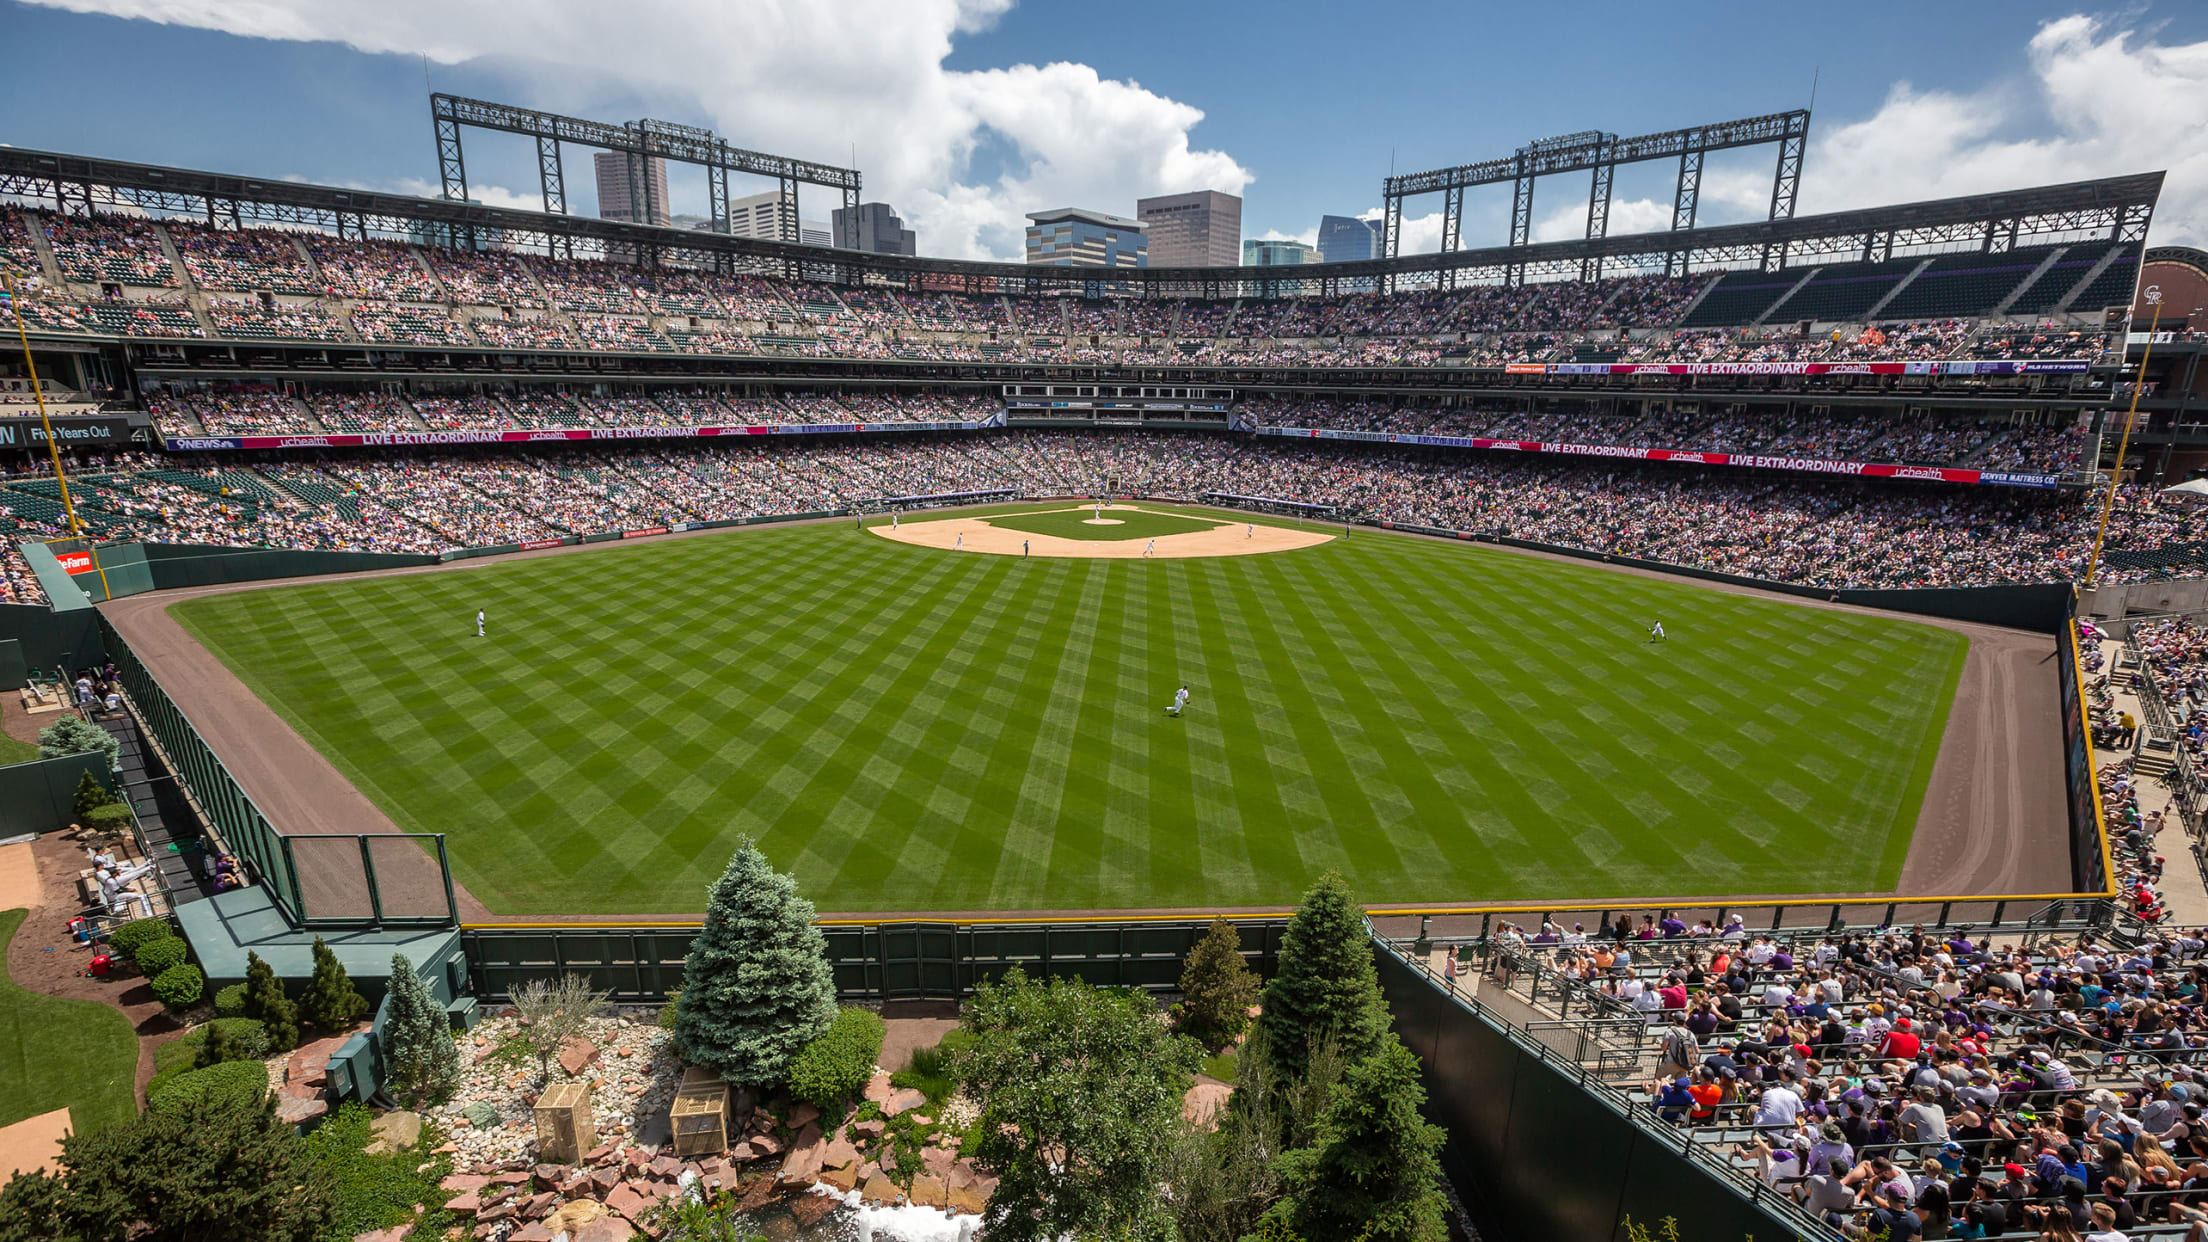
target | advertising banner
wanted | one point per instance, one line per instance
(95, 431)
(1815, 465)
(2000, 366)
(639, 534)
(389, 439)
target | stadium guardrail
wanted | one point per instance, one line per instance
(1538, 1137)
(943, 959)
(897, 960)
(2092, 865)
(239, 826)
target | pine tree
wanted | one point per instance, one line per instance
(1081, 1088)
(90, 793)
(756, 986)
(330, 1003)
(1217, 988)
(1326, 982)
(218, 1046)
(1373, 1170)
(265, 1001)
(417, 1038)
(218, 1165)
(74, 735)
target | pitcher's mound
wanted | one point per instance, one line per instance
(1103, 521)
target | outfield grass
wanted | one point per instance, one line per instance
(55, 1053)
(915, 729)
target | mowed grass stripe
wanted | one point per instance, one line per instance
(914, 729)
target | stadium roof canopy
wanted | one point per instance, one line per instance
(2112, 208)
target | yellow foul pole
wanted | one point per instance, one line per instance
(2093, 567)
(53, 450)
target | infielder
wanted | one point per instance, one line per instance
(893, 519)
(1023, 549)
(479, 623)
(959, 542)
(1151, 549)
(1250, 531)
(1180, 701)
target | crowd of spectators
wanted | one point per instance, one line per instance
(108, 249)
(623, 333)
(363, 412)
(257, 320)
(408, 323)
(257, 410)
(407, 294)
(1828, 532)
(1836, 436)
(1921, 1083)
(486, 278)
(231, 411)
(378, 271)
(145, 317)
(17, 253)
(523, 332)
(243, 260)
(2175, 652)
(18, 585)
(467, 413)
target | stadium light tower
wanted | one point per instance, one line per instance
(639, 140)
(1600, 153)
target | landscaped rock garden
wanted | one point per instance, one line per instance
(891, 1149)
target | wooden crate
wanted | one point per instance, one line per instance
(565, 1128)
(698, 1119)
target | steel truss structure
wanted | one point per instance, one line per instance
(2115, 209)
(1601, 153)
(640, 141)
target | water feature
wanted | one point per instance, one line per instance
(852, 1221)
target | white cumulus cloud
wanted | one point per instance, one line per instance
(804, 79)
(2100, 99)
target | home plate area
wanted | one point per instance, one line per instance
(1084, 532)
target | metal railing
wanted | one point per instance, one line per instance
(2188, 792)
(239, 827)
(1598, 1086)
(903, 960)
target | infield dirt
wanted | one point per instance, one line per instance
(976, 534)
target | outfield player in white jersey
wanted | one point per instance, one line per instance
(1180, 702)
(479, 623)
(1656, 632)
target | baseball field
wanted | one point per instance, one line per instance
(912, 726)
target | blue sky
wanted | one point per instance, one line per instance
(966, 113)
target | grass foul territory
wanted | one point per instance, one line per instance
(907, 728)
(55, 1053)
